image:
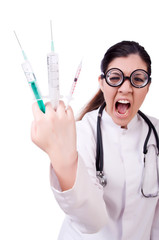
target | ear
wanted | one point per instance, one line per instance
(100, 80)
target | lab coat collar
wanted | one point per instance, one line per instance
(109, 120)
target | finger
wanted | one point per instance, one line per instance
(61, 104)
(48, 104)
(61, 108)
(37, 113)
(49, 110)
(49, 107)
(70, 112)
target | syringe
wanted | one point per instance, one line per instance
(69, 97)
(53, 74)
(31, 78)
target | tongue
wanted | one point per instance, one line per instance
(122, 108)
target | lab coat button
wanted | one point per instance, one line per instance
(124, 132)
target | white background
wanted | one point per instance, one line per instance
(81, 28)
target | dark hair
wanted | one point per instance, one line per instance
(121, 49)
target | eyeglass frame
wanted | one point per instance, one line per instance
(125, 77)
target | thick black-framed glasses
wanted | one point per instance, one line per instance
(114, 77)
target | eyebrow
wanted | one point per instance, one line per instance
(138, 74)
(116, 73)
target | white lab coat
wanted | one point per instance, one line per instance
(118, 211)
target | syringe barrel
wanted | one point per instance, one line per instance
(53, 78)
(28, 72)
(33, 84)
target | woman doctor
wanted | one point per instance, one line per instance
(127, 208)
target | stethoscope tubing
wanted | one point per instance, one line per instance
(151, 127)
(99, 147)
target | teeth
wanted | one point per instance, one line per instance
(123, 101)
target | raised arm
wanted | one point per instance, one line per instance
(79, 195)
(55, 133)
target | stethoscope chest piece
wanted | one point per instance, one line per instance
(101, 177)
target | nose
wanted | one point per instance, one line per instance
(126, 87)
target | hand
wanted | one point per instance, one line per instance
(55, 133)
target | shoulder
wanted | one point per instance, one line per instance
(88, 122)
(86, 136)
(153, 120)
(87, 127)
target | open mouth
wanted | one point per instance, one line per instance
(122, 106)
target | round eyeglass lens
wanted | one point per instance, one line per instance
(139, 78)
(114, 77)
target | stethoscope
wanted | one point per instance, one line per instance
(99, 150)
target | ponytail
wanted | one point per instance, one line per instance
(94, 104)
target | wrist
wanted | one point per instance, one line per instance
(62, 159)
(66, 173)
